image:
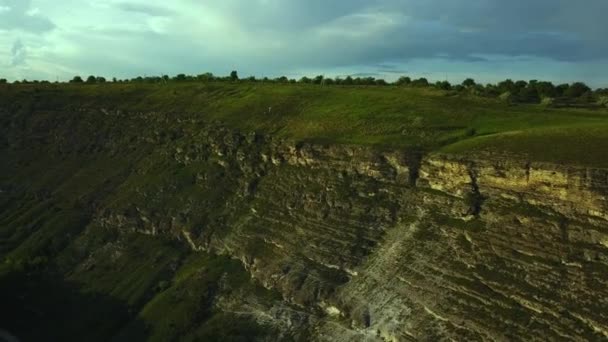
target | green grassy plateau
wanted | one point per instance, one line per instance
(391, 117)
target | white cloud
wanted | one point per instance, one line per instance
(18, 54)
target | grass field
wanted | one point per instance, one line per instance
(390, 117)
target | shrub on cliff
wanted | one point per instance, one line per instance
(234, 76)
(421, 82)
(528, 95)
(404, 80)
(469, 82)
(507, 97)
(577, 89)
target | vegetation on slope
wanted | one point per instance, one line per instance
(64, 277)
(395, 117)
(67, 157)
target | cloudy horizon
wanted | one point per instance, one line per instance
(489, 40)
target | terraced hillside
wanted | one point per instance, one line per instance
(292, 212)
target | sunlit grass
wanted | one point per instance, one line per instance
(394, 117)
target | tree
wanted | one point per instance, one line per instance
(234, 76)
(206, 77)
(587, 97)
(469, 82)
(180, 77)
(282, 79)
(348, 80)
(421, 82)
(91, 79)
(445, 85)
(528, 95)
(521, 84)
(577, 90)
(506, 86)
(3, 81)
(305, 80)
(561, 89)
(601, 91)
(101, 79)
(404, 80)
(545, 89)
(368, 81)
(318, 79)
(490, 90)
(76, 79)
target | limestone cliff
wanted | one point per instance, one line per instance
(369, 244)
(395, 246)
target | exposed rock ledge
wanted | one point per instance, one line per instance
(393, 246)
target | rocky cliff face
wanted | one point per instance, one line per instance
(395, 246)
(365, 244)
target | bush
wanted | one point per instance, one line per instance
(528, 95)
(381, 82)
(507, 97)
(547, 101)
(445, 85)
(305, 80)
(506, 86)
(469, 82)
(577, 89)
(234, 76)
(421, 82)
(404, 80)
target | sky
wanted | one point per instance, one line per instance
(488, 40)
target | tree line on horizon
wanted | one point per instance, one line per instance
(532, 91)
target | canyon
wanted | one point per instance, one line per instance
(186, 223)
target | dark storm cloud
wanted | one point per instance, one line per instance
(14, 14)
(273, 37)
(463, 30)
(557, 29)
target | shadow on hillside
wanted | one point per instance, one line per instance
(38, 307)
